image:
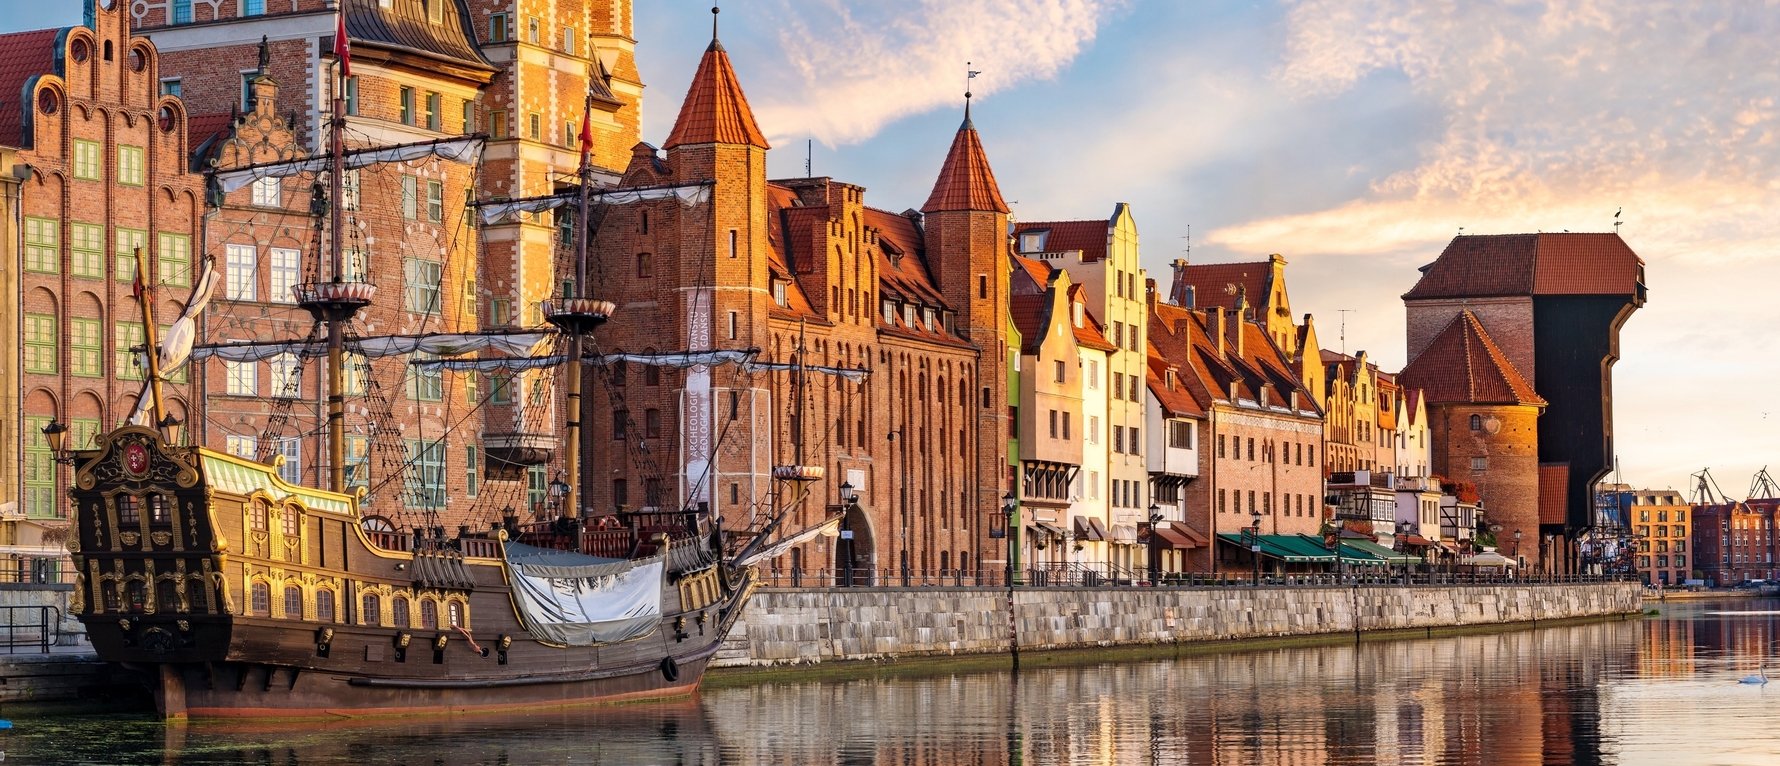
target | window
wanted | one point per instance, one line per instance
(284, 274)
(435, 201)
(43, 245)
(247, 78)
(568, 40)
(398, 611)
(734, 245)
(1476, 423)
(1480, 464)
(620, 492)
(531, 29)
(733, 325)
(534, 126)
(1053, 414)
(171, 87)
(241, 380)
(358, 461)
(125, 361)
(472, 470)
(372, 610)
(781, 293)
(129, 165)
(293, 601)
(1066, 416)
(407, 102)
(266, 193)
(497, 28)
(432, 111)
(351, 95)
(86, 356)
(420, 285)
(468, 120)
(291, 449)
(620, 424)
(241, 448)
(86, 160)
(1059, 371)
(175, 254)
(41, 343)
(651, 375)
(497, 123)
(571, 135)
(426, 382)
(652, 423)
(262, 593)
(1180, 434)
(500, 388)
(428, 487)
(410, 197)
(287, 376)
(241, 272)
(86, 243)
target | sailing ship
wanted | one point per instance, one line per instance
(240, 594)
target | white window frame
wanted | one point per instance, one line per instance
(267, 192)
(285, 264)
(287, 379)
(241, 378)
(241, 269)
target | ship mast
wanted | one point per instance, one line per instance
(575, 314)
(335, 301)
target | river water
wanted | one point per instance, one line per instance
(1660, 690)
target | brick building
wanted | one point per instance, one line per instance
(738, 262)
(1483, 425)
(102, 168)
(1553, 305)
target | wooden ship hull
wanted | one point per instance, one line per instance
(238, 595)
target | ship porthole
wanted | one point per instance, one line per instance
(670, 670)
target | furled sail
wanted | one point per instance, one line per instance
(176, 343)
(687, 194)
(378, 346)
(676, 359)
(851, 374)
(465, 150)
(784, 545)
(573, 599)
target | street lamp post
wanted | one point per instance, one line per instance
(1003, 525)
(1254, 550)
(1155, 551)
(848, 498)
(1518, 560)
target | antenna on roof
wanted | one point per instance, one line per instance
(1344, 313)
(714, 11)
(1186, 252)
(809, 157)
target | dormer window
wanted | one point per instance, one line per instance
(780, 293)
(1079, 313)
(927, 318)
(1169, 380)
(1032, 241)
(908, 315)
(889, 312)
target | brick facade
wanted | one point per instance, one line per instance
(1506, 441)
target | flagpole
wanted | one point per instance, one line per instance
(336, 196)
(574, 404)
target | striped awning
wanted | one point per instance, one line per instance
(238, 476)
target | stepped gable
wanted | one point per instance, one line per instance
(23, 56)
(1463, 364)
(965, 180)
(1476, 266)
(1063, 236)
(405, 27)
(715, 110)
(1211, 283)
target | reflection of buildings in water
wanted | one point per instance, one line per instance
(1668, 649)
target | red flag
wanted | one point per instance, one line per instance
(342, 50)
(137, 288)
(586, 133)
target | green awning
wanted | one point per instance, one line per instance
(1288, 548)
(1382, 554)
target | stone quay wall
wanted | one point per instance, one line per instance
(804, 626)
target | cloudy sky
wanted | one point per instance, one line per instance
(1353, 138)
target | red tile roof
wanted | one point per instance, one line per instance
(1176, 400)
(1218, 284)
(1030, 313)
(965, 180)
(1531, 264)
(715, 110)
(1463, 364)
(1062, 236)
(1091, 334)
(1039, 271)
(23, 55)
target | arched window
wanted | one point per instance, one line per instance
(454, 611)
(293, 602)
(256, 516)
(1476, 423)
(262, 600)
(197, 597)
(135, 596)
(372, 611)
(429, 614)
(292, 521)
(324, 605)
(398, 611)
(166, 596)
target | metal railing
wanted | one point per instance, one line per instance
(36, 570)
(1078, 574)
(41, 628)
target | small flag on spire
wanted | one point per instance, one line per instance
(586, 133)
(342, 50)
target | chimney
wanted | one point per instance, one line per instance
(1181, 293)
(1236, 333)
(1149, 294)
(1217, 328)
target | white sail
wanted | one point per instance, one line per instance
(176, 343)
(782, 546)
(687, 194)
(464, 150)
(676, 359)
(852, 374)
(378, 346)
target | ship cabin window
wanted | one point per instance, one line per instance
(166, 596)
(136, 595)
(256, 516)
(429, 614)
(129, 510)
(291, 522)
(196, 599)
(373, 613)
(293, 602)
(398, 611)
(454, 611)
(262, 600)
(159, 514)
(324, 605)
(109, 592)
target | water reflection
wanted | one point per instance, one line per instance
(1656, 691)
